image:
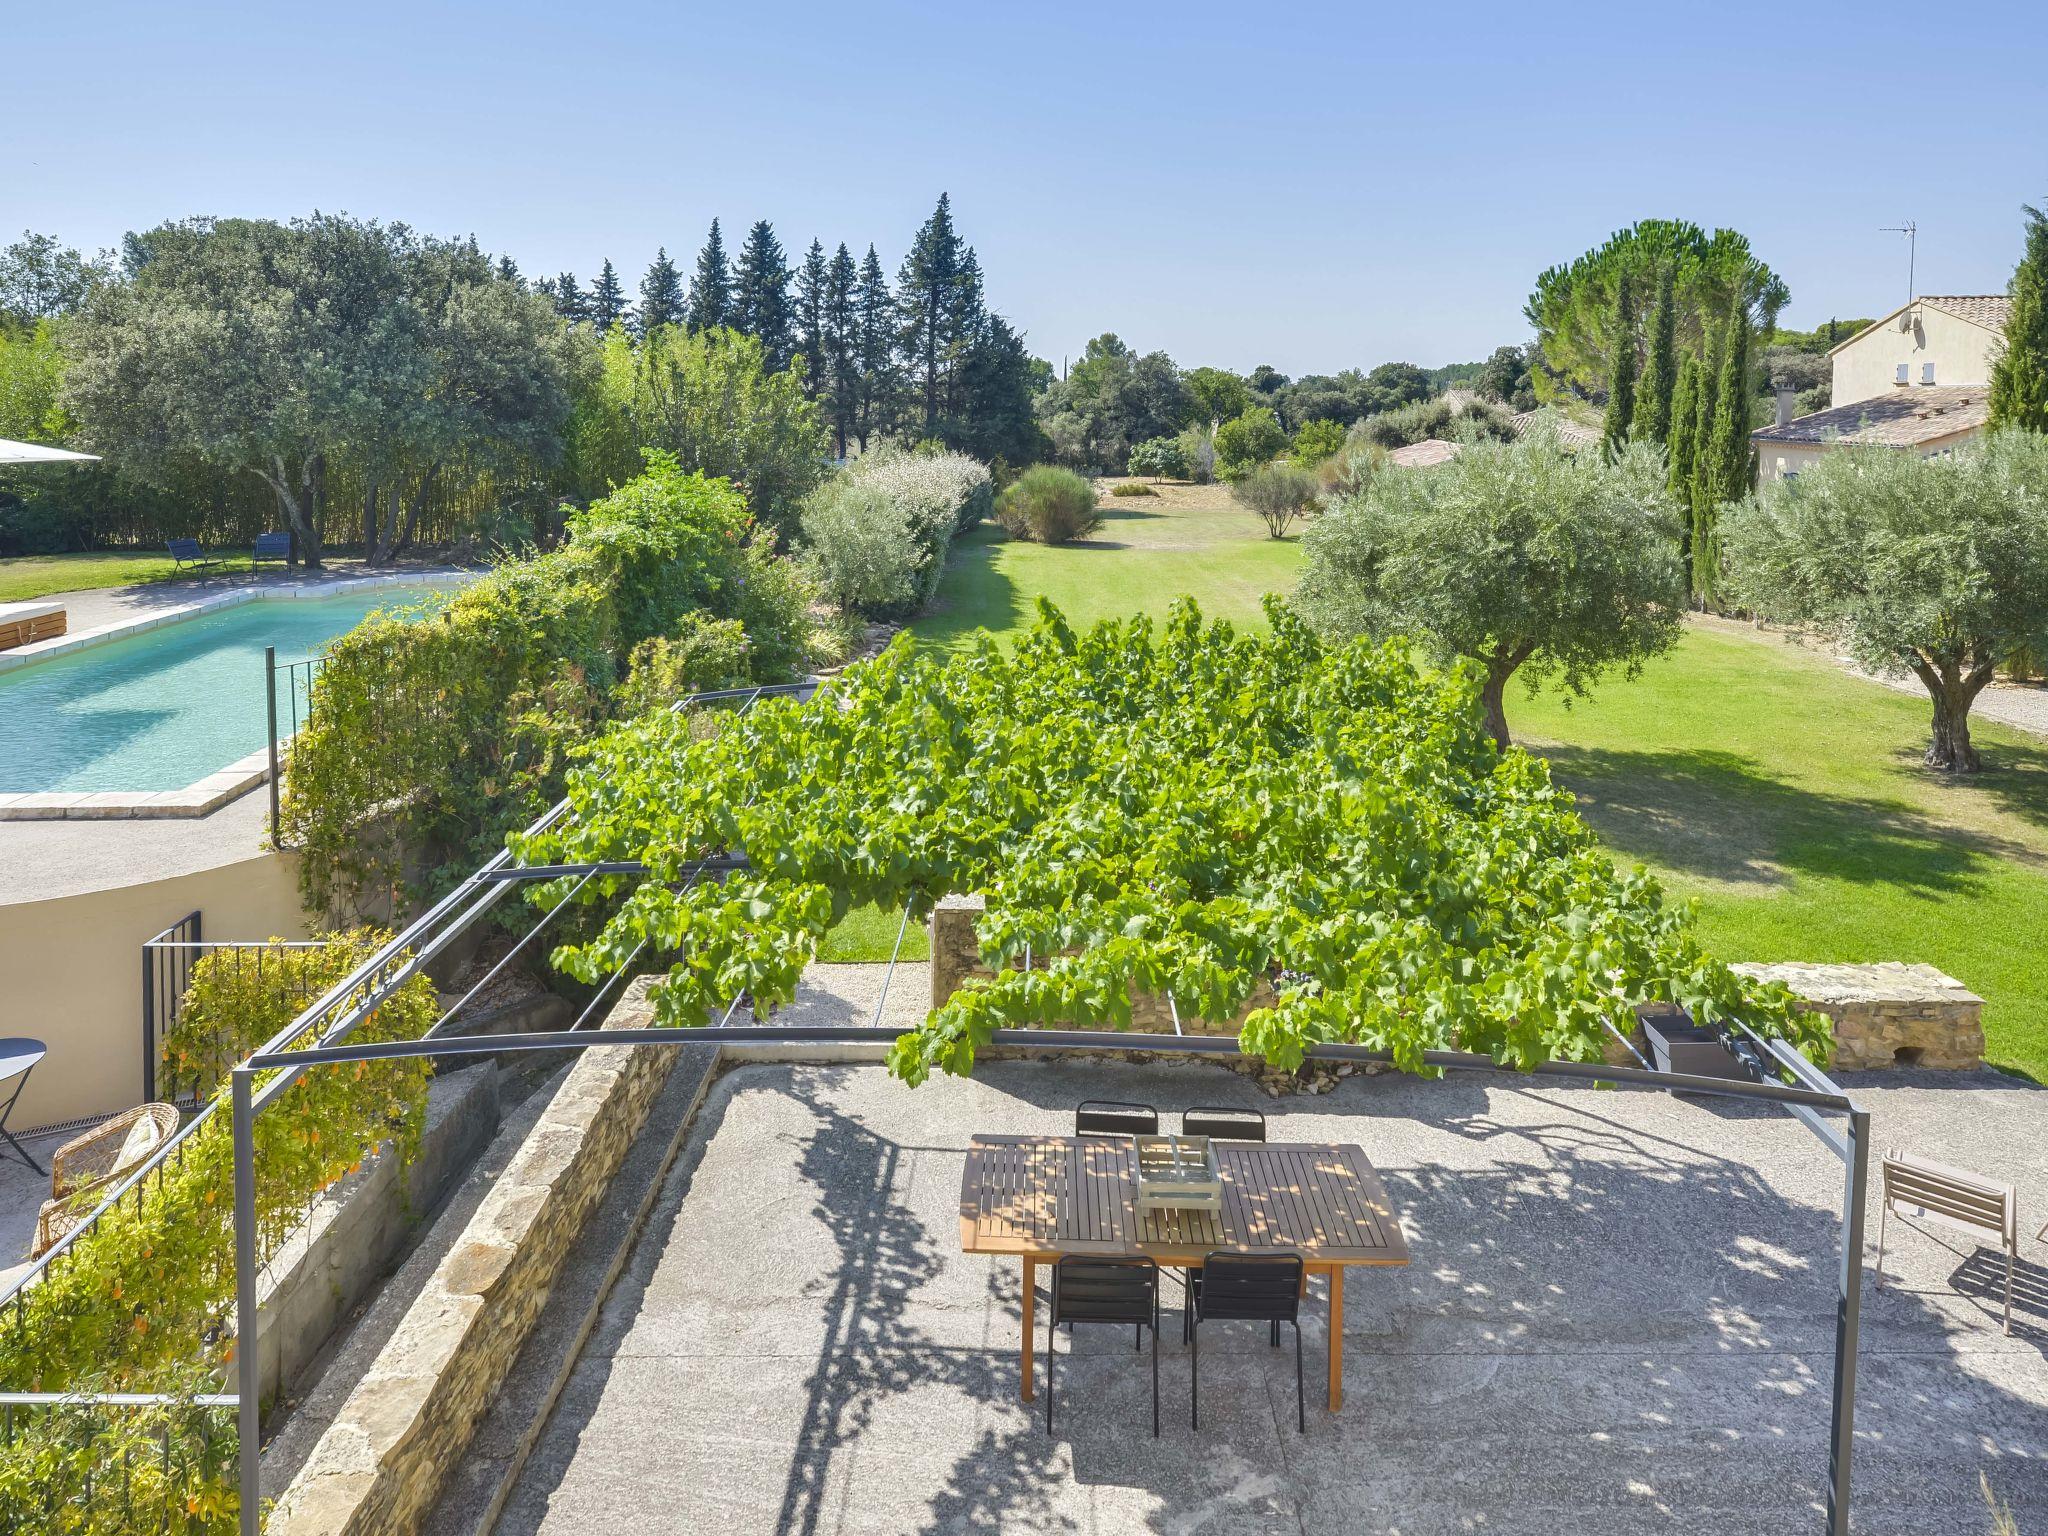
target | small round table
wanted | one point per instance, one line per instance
(18, 1058)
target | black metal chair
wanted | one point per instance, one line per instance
(1086, 1290)
(1248, 1287)
(1108, 1117)
(1222, 1124)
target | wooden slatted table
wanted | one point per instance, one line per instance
(1042, 1197)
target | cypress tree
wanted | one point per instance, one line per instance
(1683, 443)
(2019, 378)
(1621, 370)
(877, 349)
(1654, 397)
(711, 287)
(607, 301)
(1699, 503)
(810, 318)
(842, 343)
(928, 292)
(568, 297)
(760, 296)
(1723, 472)
(661, 295)
(1729, 451)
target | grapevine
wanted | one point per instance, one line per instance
(1181, 810)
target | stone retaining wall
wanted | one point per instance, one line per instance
(956, 956)
(379, 1467)
(1888, 1014)
(345, 1247)
(1884, 1015)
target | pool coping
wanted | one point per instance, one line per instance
(209, 793)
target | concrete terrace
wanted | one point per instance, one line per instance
(1619, 1319)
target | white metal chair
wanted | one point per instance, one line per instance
(1920, 1188)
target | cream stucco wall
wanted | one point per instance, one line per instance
(71, 974)
(1776, 461)
(1868, 366)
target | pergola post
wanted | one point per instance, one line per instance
(1848, 1323)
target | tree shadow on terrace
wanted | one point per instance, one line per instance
(1614, 1321)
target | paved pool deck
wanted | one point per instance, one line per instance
(49, 859)
(91, 608)
(1619, 1319)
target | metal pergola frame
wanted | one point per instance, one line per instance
(1812, 1094)
(334, 1015)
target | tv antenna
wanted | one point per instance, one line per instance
(1911, 231)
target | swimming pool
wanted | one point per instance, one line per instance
(164, 708)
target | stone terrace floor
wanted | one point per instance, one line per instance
(1619, 1319)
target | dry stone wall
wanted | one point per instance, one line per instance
(1888, 1014)
(379, 1467)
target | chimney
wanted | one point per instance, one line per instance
(1784, 405)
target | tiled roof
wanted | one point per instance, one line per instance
(1986, 309)
(1917, 414)
(1569, 432)
(1423, 455)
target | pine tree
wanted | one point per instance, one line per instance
(711, 287)
(876, 351)
(928, 293)
(568, 297)
(607, 301)
(661, 295)
(508, 270)
(760, 296)
(842, 344)
(999, 389)
(1621, 370)
(2019, 377)
(1654, 396)
(810, 319)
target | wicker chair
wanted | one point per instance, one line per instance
(85, 1165)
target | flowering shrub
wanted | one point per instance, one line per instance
(876, 537)
(1195, 812)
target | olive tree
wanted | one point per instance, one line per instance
(1937, 566)
(249, 346)
(1518, 557)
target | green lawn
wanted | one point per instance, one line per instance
(26, 576)
(1756, 779)
(1787, 799)
(1190, 540)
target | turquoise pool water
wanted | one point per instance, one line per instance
(163, 709)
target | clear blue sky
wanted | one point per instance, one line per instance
(1313, 186)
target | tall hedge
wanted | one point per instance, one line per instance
(428, 741)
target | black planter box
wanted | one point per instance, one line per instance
(1679, 1045)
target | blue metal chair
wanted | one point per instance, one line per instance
(272, 546)
(186, 552)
